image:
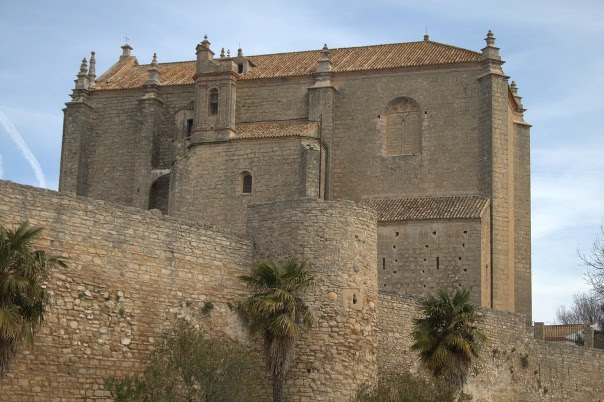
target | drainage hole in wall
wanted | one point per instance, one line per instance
(463, 245)
(423, 272)
(426, 246)
(433, 233)
(465, 270)
(396, 233)
(393, 246)
(465, 232)
(395, 260)
(354, 298)
(459, 258)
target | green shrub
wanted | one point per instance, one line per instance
(187, 366)
(405, 387)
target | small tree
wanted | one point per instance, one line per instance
(587, 308)
(187, 366)
(594, 261)
(405, 387)
(277, 310)
(447, 337)
(23, 299)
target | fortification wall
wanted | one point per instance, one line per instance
(450, 158)
(417, 257)
(513, 365)
(130, 274)
(339, 240)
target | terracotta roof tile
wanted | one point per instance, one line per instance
(277, 128)
(401, 209)
(128, 74)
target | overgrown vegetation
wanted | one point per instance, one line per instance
(447, 337)
(188, 366)
(277, 311)
(405, 387)
(23, 299)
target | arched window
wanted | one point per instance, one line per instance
(403, 127)
(214, 101)
(246, 182)
(159, 194)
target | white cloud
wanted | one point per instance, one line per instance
(22, 146)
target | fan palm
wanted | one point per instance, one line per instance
(447, 338)
(277, 311)
(22, 296)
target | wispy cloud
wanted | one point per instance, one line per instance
(14, 135)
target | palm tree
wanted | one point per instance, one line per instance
(447, 338)
(276, 310)
(22, 296)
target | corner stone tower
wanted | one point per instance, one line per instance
(339, 239)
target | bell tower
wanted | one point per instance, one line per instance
(215, 93)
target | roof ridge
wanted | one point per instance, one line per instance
(365, 46)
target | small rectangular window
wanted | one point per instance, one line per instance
(189, 128)
(240, 68)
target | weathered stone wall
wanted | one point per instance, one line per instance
(130, 274)
(420, 256)
(449, 162)
(208, 183)
(522, 214)
(339, 240)
(513, 366)
(273, 99)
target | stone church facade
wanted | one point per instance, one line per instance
(429, 135)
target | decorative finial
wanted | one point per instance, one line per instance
(83, 66)
(514, 88)
(239, 52)
(228, 52)
(222, 53)
(426, 38)
(82, 81)
(490, 39)
(324, 53)
(205, 41)
(92, 69)
(153, 76)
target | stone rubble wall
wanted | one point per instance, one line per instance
(339, 240)
(130, 274)
(513, 366)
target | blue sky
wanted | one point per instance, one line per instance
(554, 50)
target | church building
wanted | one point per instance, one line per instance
(430, 135)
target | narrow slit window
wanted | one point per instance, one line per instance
(214, 101)
(240, 68)
(189, 128)
(247, 183)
